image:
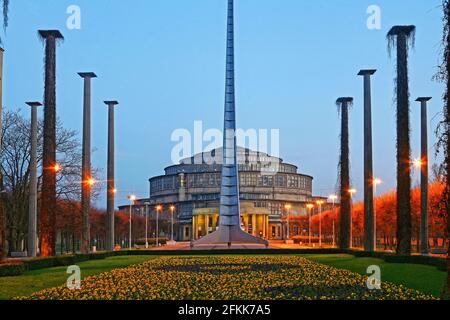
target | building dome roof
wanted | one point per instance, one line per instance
(244, 155)
(248, 160)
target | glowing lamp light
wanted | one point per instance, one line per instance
(114, 190)
(288, 206)
(377, 181)
(418, 163)
(91, 182)
(132, 197)
(352, 191)
(158, 208)
(172, 208)
(310, 206)
(56, 168)
(320, 202)
(333, 197)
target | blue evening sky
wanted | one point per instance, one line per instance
(164, 61)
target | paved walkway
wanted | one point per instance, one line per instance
(187, 246)
(272, 245)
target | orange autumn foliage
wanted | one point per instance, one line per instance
(69, 221)
(385, 209)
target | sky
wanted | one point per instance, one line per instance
(164, 61)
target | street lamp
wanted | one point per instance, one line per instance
(310, 206)
(352, 192)
(132, 198)
(158, 209)
(288, 208)
(333, 199)
(376, 182)
(320, 203)
(417, 163)
(146, 224)
(172, 209)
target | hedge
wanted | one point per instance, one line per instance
(58, 261)
(151, 241)
(12, 269)
(40, 263)
(228, 252)
(440, 263)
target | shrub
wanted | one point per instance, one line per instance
(366, 254)
(152, 241)
(80, 258)
(12, 269)
(229, 252)
(40, 263)
(61, 261)
(440, 263)
(425, 260)
(101, 256)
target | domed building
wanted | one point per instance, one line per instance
(270, 190)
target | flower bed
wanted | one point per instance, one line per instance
(229, 278)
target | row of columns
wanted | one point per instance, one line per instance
(257, 220)
(86, 174)
(204, 219)
(259, 223)
(48, 205)
(370, 236)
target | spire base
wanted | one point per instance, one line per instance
(230, 235)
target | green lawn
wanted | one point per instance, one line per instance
(37, 280)
(423, 278)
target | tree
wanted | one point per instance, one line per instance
(47, 220)
(447, 135)
(403, 37)
(344, 175)
(386, 205)
(15, 165)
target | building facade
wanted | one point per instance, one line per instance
(270, 191)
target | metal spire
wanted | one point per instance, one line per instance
(229, 192)
(230, 221)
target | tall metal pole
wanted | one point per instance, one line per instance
(424, 177)
(86, 178)
(288, 225)
(47, 215)
(111, 190)
(401, 36)
(345, 217)
(129, 225)
(334, 227)
(320, 224)
(157, 228)
(172, 209)
(146, 225)
(368, 163)
(309, 226)
(375, 216)
(351, 219)
(32, 207)
(2, 213)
